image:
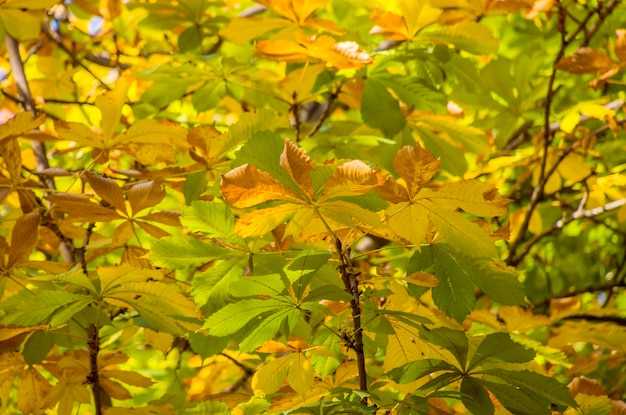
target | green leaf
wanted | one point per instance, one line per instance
(469, 36)
(380, 110)
(517, 401)
(234, 316)
(205, 345)
(37, 347)
(195, 184)
(413, 92)
(211, 218)
(182, 252)
(28, 310)
(267, 329)
(207, 408)
(475, 397)
(210, 288)
(454, 294)
(303, 267)
(499, 347)
(452, 158)
(269, 285)
(190, 39)
(263, 151)
(69, 311)
(207, 97)
(412, 371)
(155, 317)
(453, 340)
(252, 122)
(547, 390)
(498, 282)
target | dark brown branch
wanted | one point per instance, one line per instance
(93, 379)
(603, 13)
(351, 283)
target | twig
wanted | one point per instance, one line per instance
(327, 111)
(350, 282)
(560, 224)
(80, 252)
(603, 13)
(538, 191)
(59, 42)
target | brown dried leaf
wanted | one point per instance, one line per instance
(107, 189)
(586, 60)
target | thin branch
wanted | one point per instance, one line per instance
(560, 224)
(603, 13)
(351, 284)
(327, 111)
(59, 42)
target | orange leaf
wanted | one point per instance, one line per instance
(248, 186)
(144, 195)
(295, 10)
(107, 189)
(12, 154)
(80, 209)
(166, 217)
(299, 166)
(282, 50)
(152, 230)
(416, 166)
(24, 237)
(272, 346)
(388, 24)
(351, 179)
(586, 60)
(423, 279)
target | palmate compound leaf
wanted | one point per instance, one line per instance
(290, 181)
(415, 209)
(459, 277)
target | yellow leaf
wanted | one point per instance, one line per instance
(79, 133)
(32, 391)
(473, 196)
(418, 15)
(150, 154)
(410, 221)
(272, 346)
(299, 166)
(423, 279)
(7, 333)
(211, 143)
(574, 168)
(152, 230)
(282, 50)
(261, 221)
(390, 25)
(416, 166)
(300, 376)
(159, 340)
(349, 214)
(585, 60)
(110, 105)
(298, 84)
(244, 29)
(154, 132)
(351, 179)
(271, 376)
(463, 235)
(111, 277)
(107, 189)
(405, 345)
(247, 186)
(21, 123)
(130, 378)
